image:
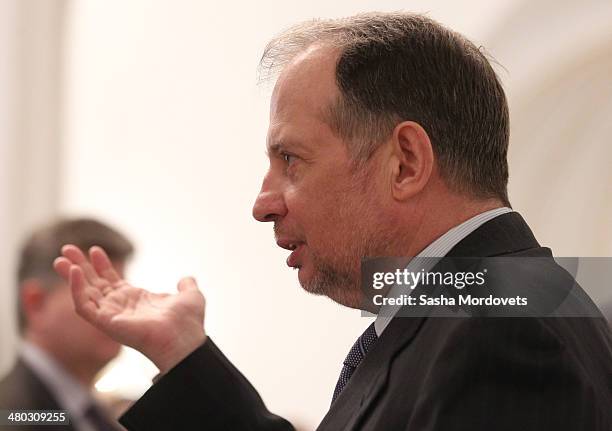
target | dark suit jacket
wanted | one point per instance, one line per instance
(424, 373)
(21, 389)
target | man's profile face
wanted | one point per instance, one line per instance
(323, 207)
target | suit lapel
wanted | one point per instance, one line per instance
(39, 394)
(32, 387)
(369, 378)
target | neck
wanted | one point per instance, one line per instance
(79, 370)
(423, 228)
(434, 219)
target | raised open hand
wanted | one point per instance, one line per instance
(164, 327)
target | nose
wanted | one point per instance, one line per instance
(270, 203)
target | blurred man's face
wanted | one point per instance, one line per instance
(329, 213)
(71, 338)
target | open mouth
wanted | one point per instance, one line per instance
(295, 258)
(296, 248)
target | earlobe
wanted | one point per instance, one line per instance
(414, 159)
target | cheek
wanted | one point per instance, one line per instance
(70, 324)
(64, 319)
(59, 310)
(88, 342)
(333, 226)
(333, 212)
(313, 215)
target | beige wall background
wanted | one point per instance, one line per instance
(147, 114)
(31, 94)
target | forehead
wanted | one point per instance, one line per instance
(310, 78)
(304, 90)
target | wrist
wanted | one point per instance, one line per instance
(177, 350)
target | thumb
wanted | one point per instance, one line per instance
(186, 284)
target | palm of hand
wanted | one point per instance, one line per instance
(157, 324)
(145, 316)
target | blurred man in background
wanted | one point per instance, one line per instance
(61, 354)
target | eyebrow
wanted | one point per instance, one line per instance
(279, 146)
(274, 148)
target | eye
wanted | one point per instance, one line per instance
(288, 158)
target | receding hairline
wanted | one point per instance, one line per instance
(336, 33)
(305, 68)
(285, 47)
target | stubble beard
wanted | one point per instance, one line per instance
(338, 274)
(337, 279)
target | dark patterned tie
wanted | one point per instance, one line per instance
(100, 420)
(354, 358)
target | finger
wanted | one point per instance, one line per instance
(85, 305)
(102, 264)
(186, 284)
(62, 267)
(77, 257)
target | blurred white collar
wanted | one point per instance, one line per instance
(71, 394)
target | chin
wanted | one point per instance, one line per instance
(338, 290)
(309, 281)
(314, 289)
(303, 277)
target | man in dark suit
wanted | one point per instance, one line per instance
(60, 354)
(388, 137)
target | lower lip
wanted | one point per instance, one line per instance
(294, 257)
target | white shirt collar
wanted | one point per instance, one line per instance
(436, 250)
(69, 392)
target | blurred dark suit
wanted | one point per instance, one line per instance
(22, 389)
(37, 382)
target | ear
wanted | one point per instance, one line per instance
(32, 297)
(412, 161)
